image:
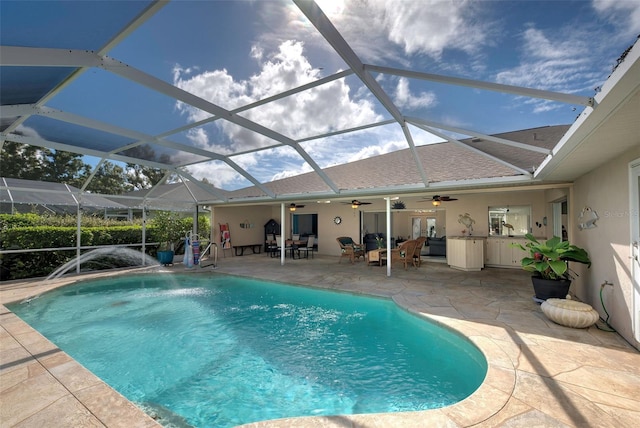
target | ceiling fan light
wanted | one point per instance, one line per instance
(354, 206)
(436, 203)
(292, 207)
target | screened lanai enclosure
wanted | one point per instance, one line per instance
(57, 204)
(279, 102)
(109, 80)
(44, 197)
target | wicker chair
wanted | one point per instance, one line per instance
(403, 254)
(350, 249)
(417, 260)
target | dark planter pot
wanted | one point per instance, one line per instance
(165, 257)
(550, 288)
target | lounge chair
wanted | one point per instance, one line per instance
(417, 260)
(350, 249)
(404, 253)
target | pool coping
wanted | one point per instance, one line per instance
(496, 401)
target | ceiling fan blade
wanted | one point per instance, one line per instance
(356, 202)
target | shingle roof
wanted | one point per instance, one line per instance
(442, 162)
(546, 137)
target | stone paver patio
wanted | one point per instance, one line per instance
(540, 373)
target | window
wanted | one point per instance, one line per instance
(509, 220)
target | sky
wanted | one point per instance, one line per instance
(234, 53)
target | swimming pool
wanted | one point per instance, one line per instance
(221, 351)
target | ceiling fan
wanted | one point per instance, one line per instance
(293, 206)
(437, 199)
(356, 203)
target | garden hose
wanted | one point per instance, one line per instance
(606, 321)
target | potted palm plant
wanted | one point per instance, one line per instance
(549, 262)
(167, 229)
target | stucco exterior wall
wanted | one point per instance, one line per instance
(477, 206)
(606, 190)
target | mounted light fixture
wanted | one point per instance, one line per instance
(356, 203)
(292, 207)
(436, 200)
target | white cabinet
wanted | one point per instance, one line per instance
(465, 253)
(500, 253)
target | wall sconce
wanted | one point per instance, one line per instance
(436, 203)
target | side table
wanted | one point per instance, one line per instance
(373, 256)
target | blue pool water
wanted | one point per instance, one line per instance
(220, 351)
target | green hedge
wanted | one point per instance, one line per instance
(31, 231)
(38, 264)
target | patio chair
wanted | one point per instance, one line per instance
(350, 249)
(308, 248)
(280, 247)
(271, 245)
(417, 260)
(403, 254)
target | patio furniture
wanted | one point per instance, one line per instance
(308, 248)
(417, 260)
(271, 229)
(279, 247)
(371, 243)
(404, 253)
(350, 249)
(270, 244)
(374, 256)
(255, 248)
(437, 246)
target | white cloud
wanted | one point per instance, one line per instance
(429, 27)
(323, 109)
(374, 150)
(404, 97)
(624, 14)
(375, 27)
(561, 60)
(221, 176)
(559, 63)
(292, 172)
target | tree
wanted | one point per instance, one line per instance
(143, 177)
(64, 167)
(109, 179)
(29, 162)
(20, 161)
